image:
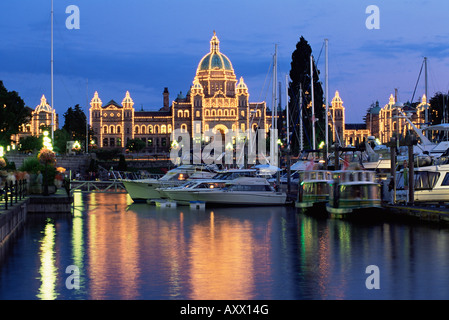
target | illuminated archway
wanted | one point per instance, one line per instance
(220, 128)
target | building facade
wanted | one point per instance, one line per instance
(41, 119)
(215, 102)
(382, 123)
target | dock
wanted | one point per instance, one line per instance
(438, 214)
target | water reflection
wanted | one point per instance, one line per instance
(112, 249)
(48, 270)
(137, 251)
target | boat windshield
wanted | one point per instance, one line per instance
(359, 192)
(252, 187)
(424, 180)
(210, 185)
(233, 175)
(316, 188)
(180, 176)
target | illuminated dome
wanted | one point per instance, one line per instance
(215, 59)
(215, 73)
(44, 106)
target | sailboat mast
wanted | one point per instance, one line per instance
(326, 98)
(51, 63)
(313, 103)
(301, 128)
(425, 80)
(273, 137)
(286, 111)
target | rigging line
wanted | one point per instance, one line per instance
(260, 96)
(416, 85)
(320, 54)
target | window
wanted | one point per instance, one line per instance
(180, 114)
(111, 129)
(156, 129)
(206, 113)
(164, 142)
(150, 142)
(112, 142)
(119, 142)
(105, 129)
(119, 129)
(169, 128)
(183, 127)
(186, 113)
(163, 128)
(136, 129)
(143, 129)
(150, 129)
(105, 142)
(198, 114)
(445, 180)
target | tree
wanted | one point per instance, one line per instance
(61, 138)
(13, 113)
(122, 165)
(30, 144)
(438, 112)
(300, 77)
(135, 145)
(75, 122)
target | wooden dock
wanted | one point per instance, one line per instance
(439, 214)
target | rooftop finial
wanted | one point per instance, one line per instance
(214, 43)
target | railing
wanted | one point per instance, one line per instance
(97, 186)
(13, 192)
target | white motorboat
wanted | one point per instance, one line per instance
(431, 185)
(185, 194)
(353, 191)
(141, 190)
(313, 192)
(243, 191)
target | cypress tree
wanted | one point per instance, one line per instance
(300, 76)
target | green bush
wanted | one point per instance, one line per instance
(32, 165)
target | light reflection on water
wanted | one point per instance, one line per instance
(137, 251)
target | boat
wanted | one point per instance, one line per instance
(353, 192)
(313, 191)
(431, 185)
(183, 194)
(141, 190)
(243, 191)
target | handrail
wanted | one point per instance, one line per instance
(13, 192)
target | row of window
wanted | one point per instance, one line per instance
(213, 112)
(117, 142)
(139, 129)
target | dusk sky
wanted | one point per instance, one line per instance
(142, 46)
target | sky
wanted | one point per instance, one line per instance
(143, 46)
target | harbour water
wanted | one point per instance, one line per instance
(120, 250)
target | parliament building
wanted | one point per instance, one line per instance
(216, 101)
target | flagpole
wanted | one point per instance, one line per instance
(51, 62)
